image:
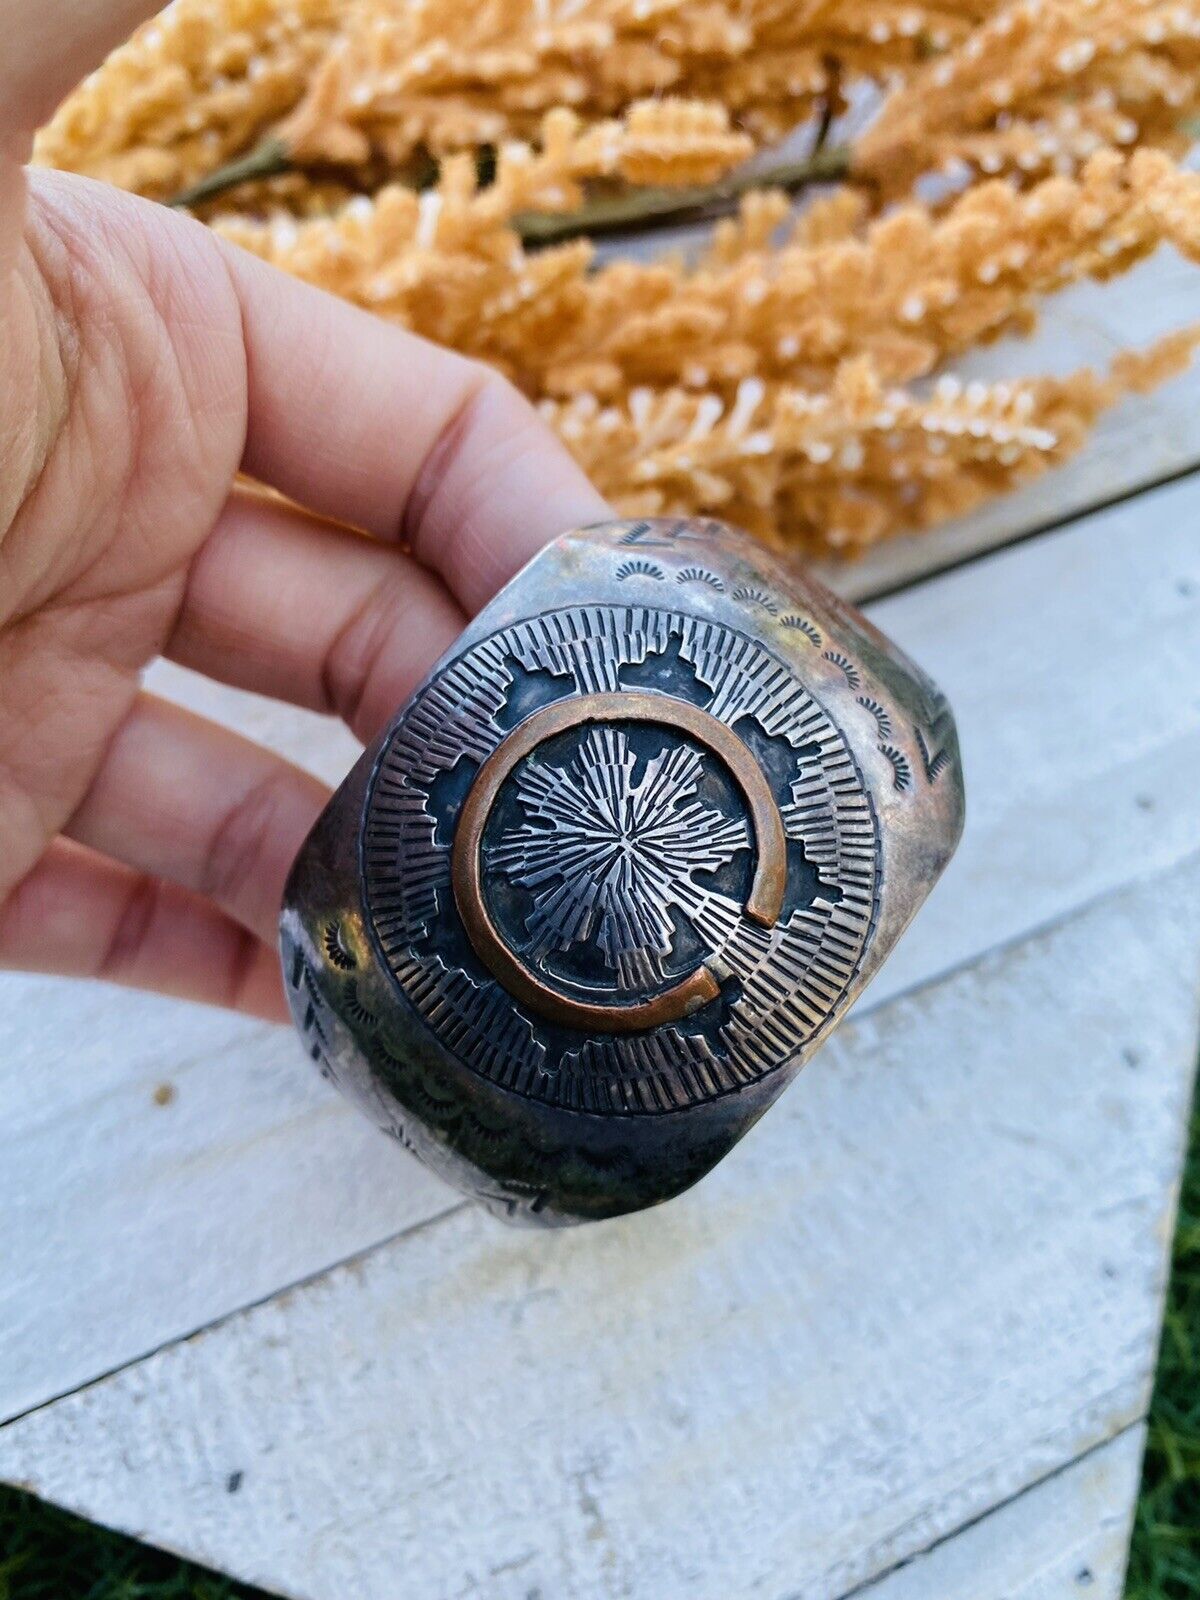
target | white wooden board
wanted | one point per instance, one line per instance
(930, 1278)
(1074, 666)
(1064, 1539)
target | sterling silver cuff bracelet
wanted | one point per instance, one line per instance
(618, 867)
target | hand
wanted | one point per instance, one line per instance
(142, 364)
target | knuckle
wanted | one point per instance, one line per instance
(492, 426)
(242, 840)
(357, 651)
(131, 931)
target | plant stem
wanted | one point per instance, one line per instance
(266, 160)
(608, 215)
(833, 94)
(638, 208)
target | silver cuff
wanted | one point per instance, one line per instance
(618, 867)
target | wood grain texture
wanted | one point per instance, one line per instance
(927, 1280)
(1082, 753)
(1064, 1539)
(1072, 663)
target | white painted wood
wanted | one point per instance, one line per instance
(1074, 667)
(1064, 1539)
(931, 1277)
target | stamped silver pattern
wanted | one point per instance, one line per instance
(624, 854)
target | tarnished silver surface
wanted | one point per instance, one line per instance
(618, 867)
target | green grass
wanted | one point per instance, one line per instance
(1164, 1563)
(47, 1555)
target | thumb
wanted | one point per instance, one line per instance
(47, 49)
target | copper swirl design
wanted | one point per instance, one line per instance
(699, 987)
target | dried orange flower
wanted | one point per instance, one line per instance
(190, 89)
(373, 84)
(1040, 87)
(835, 472)
(1022, 145)
(908, 289)
(440, 78)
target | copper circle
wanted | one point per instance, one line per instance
(699, 988)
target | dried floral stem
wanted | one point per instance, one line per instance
(639, 208)
(195, 86)
(365, 87)
(270, 159)
(910, 290)
(830, 106)
(607, 215)
(1038, 87)
(438, 76)
(835, 472)
(449, 170)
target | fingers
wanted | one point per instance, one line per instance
(82, 916)
(286, 606)
(184, 799)
(373, 426)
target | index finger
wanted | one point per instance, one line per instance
(376, 427)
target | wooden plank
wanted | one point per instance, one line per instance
(1082, 756)
(929, 1279)
(1067, 1536)
(1070, 663)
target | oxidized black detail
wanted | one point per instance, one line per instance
(618, 856)
(617, 868)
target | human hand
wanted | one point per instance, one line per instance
(142, 364)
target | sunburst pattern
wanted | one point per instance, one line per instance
(611, 848)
